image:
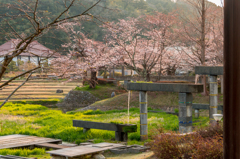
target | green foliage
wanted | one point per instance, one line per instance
(144, 82)
(176, 110)
(86, 88)
(135, 136)
(22, 152)
(132, 128)
(93, 112)
(44, 102)
(116, 122)
(12, 67)
(20, 63)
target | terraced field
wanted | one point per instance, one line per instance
(37, 89)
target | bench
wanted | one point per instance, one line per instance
(121, 130)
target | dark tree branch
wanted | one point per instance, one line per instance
(15, 90)
(22, 74)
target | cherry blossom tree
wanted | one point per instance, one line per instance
(141, 44)
(84, 55)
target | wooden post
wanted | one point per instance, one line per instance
(185, 112)
(213, 98)
(143, 115)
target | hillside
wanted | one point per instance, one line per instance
(109, 10)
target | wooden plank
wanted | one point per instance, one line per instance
(166, 87)
(53, 146)
(15, 141)
(83, 150)
(102, 126)
(12, 157)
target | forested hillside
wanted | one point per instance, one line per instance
(105, 11)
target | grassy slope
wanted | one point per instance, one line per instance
(102, 91)
(155, 100)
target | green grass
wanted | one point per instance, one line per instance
(41, 121)
(44, 102)
(23, 152)
(101, 91)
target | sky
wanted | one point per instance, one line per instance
(217, 2)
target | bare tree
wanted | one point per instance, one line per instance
(40, 23)
(196, 33)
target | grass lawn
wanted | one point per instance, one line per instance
(39, 120)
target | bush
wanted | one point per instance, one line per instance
(210, 131)
(208, 148)
(22, 152)
(203, 144)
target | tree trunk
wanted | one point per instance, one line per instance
(148, 77)
(93, 80)
(204, 81)
(203, 45)
(160, 69)
(110, 73)
(123, 71)
(105, 72)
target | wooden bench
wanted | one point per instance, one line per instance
(121, 130)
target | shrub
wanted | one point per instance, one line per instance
(208, 148)
(211, 131)
(205, 143)
(167, 146)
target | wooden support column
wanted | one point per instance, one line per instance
(185, 112)
(143, 115)
(213, 98)
(231, 106)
